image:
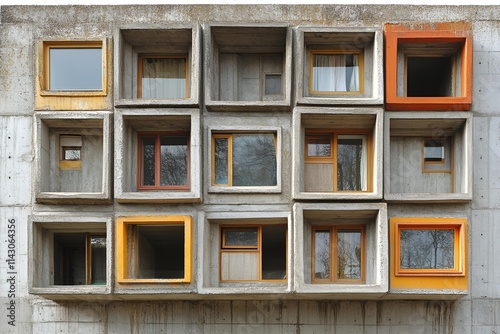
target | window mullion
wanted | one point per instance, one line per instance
(157, 159)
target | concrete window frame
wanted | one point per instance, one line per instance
(368, 121)
(41, 254)
(406, 176)
(441, 39)
(73, 98)
(211, 224)
(49, 126)
(235, 42)
(371, 216)
(175, 40)
(452, 282)
(128, 123)
(225, 131)
(365, 41)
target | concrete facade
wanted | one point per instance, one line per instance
(33, 209)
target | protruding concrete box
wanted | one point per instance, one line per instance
(339, 66)
(366, 272)
(248, 67)
(130, 127)
(72, 157)
(428, 156)
(158, 66)
(70, 256)
(337, 153)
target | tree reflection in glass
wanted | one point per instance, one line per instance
(322, 254)
(221, 160)
(427, 249)
(254, 160)
(348, 254)
(148, 161)
(349, 163)
(173, 161)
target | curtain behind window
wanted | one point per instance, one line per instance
(164, 78)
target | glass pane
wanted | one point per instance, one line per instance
(351, 169)
(148, 161)
(273, 84)
(221, 160)
(75, 69)
(427, 249)
(72, 154)
(163, 78)
(254, 160)
(322, 254)
(335, 72)
(348, 254)
(98, 265)
(173, 161)
(239, 237)
(161, 251)
(274, 252)
(69, 259)
(433, 150)
(318, 146)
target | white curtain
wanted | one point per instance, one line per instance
(164, 78)
(331, 74)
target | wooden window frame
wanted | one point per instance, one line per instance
(450, 170)
(88, 252)
(141, 56)
(455, 224)
(124, 240)
(229, 137)
(333, 230)
(258, 250)
(45, 82)
(158, 136)
(334, 133)
(359, 52)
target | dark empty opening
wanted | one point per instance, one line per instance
(274, 252)
(69, 259)
(429, 77)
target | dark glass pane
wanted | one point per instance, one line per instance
(254, 160)
(427, 249)
(221, 161)
(148, 161)
(319, 146)
(98, 254)
(240, 237)
(274, 252)
(322, 254)
(75, 69)
(273, 84)
(69, 259)
(163, 78)
(173, 161)
(349, 160)
(161, 251)
(349, 254)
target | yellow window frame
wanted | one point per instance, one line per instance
(334, 230)
(45, 82)
(123, 240)
(358, 52)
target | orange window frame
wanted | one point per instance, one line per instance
(45, 82)
(158, 135)
(123, 240)
(358, 52)
(457, 225)
(141, 56)
(334, 230)
(317, 133)
(243, 249)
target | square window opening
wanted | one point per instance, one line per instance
(334, 72)
(162, 77)
(430, 76)
(273, 84)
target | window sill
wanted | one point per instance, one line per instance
(155, 196)
(245, 190)
(355, 195)
(187, 102)
(340, 99)
(282, 105)
(429, 197)
(72, 198)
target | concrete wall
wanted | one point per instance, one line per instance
(22, 27)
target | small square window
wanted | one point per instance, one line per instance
(337, 161)
(437, 155)
(273, 84)
(162, 77)
(70, 147)
(163, 161)
(154, 249)
(74, 67)
(433, 151)
(336, 72)
(79, 258)
(429, 247)
(244, 159)
(253, 253)
(339, 254)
